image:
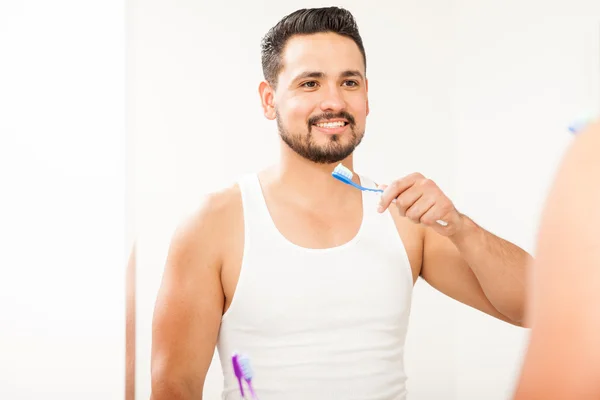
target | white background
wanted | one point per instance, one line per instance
(62, 201)
(476, 95)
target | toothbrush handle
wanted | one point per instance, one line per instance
(241, 388)
(378, 191)
(252, 392)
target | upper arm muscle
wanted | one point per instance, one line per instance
(445, 270)
(188, 310)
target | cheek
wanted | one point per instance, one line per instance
(298, 110)
(358, 108)
(358, 101)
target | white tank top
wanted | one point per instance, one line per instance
(319, 323)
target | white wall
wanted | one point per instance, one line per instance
(194, 111)
(62, 216)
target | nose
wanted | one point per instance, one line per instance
(333, 99)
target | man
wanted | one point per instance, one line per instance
(563, 358)
(309, 277)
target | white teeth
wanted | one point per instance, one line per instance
(331, 124)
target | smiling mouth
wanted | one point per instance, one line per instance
(335, 124)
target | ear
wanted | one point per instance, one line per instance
(367, 90)
(267, 98)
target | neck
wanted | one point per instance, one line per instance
(312, 182)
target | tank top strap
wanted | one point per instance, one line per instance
(257, 219)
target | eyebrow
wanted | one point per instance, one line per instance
(319, 75)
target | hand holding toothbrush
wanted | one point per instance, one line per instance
(422, 201)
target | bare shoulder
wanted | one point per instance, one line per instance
(208, 227)
(581, 161)
(570, 230)
(563, 309)
(570, 227)
(199, 248)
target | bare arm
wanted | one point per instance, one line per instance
(478, 269)
(188, 310)
(461, 259)
(563, 357)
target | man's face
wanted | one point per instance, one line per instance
(320, 103)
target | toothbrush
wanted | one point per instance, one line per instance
(247, 374)
(579, 125)
(243, 372)
(237, 369)
(343, 174)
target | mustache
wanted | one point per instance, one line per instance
(342, 114)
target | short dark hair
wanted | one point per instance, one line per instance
(304, 22)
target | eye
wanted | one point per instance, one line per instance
(351, 83)
(309, 84)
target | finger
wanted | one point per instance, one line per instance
(435, 217)
(416, 211)
(396, 188)
(382, 187)
(408, 198)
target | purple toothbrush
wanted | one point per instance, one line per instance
(243, 371)
(247, 373)
(237, 370)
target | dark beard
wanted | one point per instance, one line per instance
(330, 153)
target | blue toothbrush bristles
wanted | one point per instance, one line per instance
(340, 169)
(246, 368)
